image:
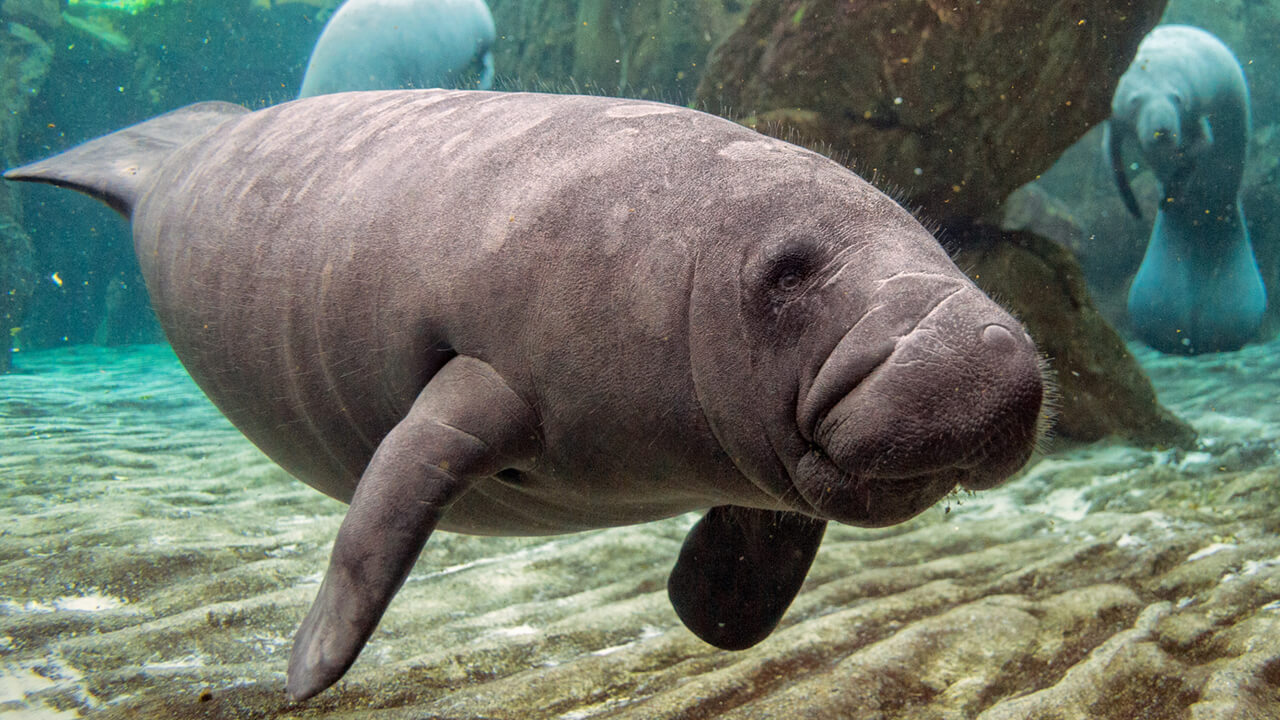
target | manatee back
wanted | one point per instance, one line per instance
(314, 263)
(118, 168)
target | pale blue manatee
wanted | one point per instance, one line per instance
(1185, 103)
(393, 44)
(514, 313)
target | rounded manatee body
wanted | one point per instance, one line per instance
(392, 44)
(1185, 105)
(515, 313)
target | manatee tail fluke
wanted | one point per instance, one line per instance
(115, 168)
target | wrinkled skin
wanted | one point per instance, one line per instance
(521, 314)
(1184, 104)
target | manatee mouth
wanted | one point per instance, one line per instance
(956, 400)
(868, 500)
(872, 496)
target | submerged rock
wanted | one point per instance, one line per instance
(653, 49)
(17, 279)
(957, 104)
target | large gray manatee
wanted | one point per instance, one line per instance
(391, 44)
(525, 314)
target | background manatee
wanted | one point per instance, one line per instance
(1185, 105)
(392, 44)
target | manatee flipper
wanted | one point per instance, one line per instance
(739, 570)
(486, 71)
(1112, 141)
(465, 425)
(115, 168)
(1206, 133)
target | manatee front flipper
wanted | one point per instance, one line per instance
(739, 570)
(466, 424)
(1111, 140)
(1205, 141)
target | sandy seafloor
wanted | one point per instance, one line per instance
(153, 564)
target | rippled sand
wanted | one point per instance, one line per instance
(153, 564)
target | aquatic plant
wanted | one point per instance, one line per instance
(102, 30)
(133, 7)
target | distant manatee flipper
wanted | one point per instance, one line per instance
(1111, 141)
(1185, 104)
(394, 44)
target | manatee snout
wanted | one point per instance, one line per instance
(1159, 123)
(955, 399)
(1160, 133)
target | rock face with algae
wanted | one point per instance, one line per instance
(155, 565)
(654, 49)
(955, 103)
(24, 62)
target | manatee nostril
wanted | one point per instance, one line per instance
(998, 338)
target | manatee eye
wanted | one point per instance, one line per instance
(790, 269)
(786, 274)
(784, 286)
(789, 281)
